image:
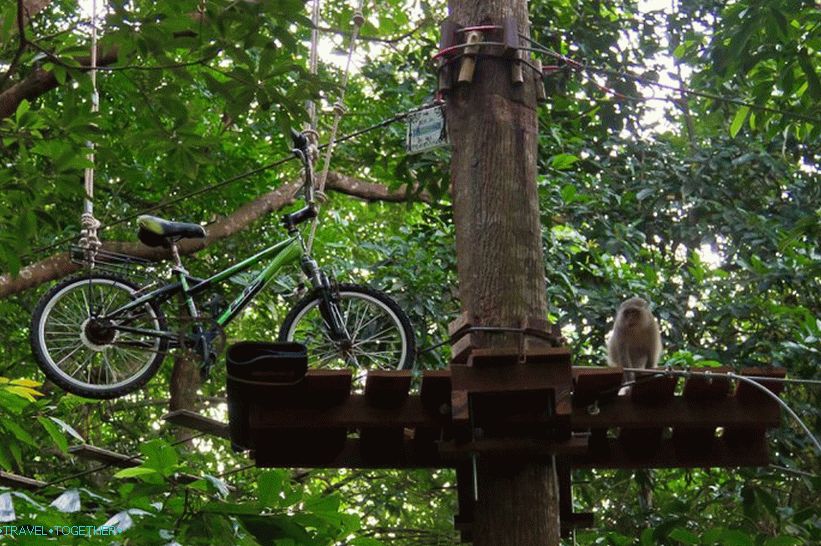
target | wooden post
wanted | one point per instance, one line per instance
(493, 129)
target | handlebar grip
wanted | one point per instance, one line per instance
(300, 140)
(296, 218)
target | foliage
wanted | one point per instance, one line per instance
(711, 211)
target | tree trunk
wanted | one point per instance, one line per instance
(493, 129)
(185, 380)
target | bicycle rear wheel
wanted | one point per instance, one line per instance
(88, 355)
(379, 333)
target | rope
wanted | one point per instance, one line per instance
(88, 234)
(206, 189)
(339, 110)
(312, 61)
(745, 379)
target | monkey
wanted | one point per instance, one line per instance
(635, 341)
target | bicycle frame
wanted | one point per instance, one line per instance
(280, 254)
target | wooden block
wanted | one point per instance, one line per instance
(708, 388)
(447, 38)
(657, 390)
(749, 394)
(592, 384)
(387, 389)
(507, 375)
(460, 407)
(435, 391)
(469, 61)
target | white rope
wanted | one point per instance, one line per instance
(753, 382)
(313, 59)
(88, 234)
(339, 110)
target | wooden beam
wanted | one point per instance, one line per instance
(94, 453)
(19, 482)
(720, 453)
(678, 411)
(193, 420)
(356, 412)
(350, 455)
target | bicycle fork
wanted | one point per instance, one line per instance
(328, 303)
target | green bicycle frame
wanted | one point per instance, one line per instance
(281, 254)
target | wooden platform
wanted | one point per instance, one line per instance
(495, 407)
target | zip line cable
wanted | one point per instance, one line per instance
(682, 90)
(159, 206)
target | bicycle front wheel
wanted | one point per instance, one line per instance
(379, 335)
(87, 354)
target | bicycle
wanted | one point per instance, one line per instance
(100, 335)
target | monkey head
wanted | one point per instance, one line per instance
(633, 312)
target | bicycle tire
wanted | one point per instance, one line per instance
(60, 378)
(349, 291)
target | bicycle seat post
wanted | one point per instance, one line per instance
(175, 256)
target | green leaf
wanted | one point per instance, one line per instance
(18, 432)
(568, 193)
(5, 461)
(56, 434)
(738, 120)
(812, 78)
(22, 108)
(563, 161)
(732, 537)
(160, 456)
(67, 428)
(134, 472)
(783, 541)
(684, 536)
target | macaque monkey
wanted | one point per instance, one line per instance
(635, 341)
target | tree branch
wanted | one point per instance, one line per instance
(59, 265)
(41, 81)
(21, 35)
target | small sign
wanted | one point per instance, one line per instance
(426, 130)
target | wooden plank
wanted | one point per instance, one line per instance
(592, 384)
(193, 420)
(612, 454)
(512, 377)
(512, 447)
(120, 460)
(749, 394)
(94, 453)
(355, 412)
(387, 389)
(678, 411)
(435, 391)
(349, 456)
(16, 481)
(655, 391)
(714, 387)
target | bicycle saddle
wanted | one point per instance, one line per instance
(154, 230)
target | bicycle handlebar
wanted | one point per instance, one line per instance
(301, 149)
